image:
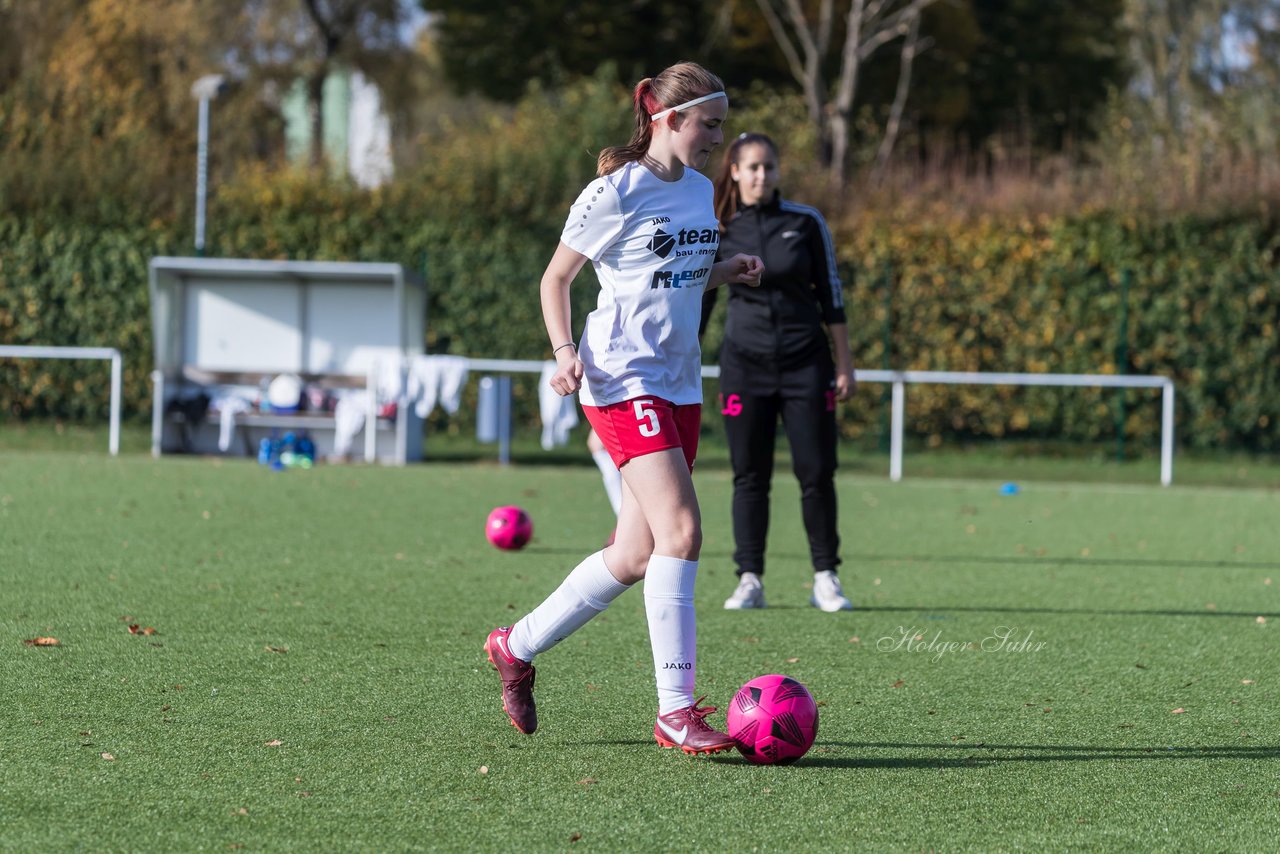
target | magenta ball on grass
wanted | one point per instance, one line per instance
(774, 720)
(508, 528)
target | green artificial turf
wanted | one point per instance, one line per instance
(315, 680)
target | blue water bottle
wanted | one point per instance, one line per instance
(306, 451)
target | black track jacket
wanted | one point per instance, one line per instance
(780, 322)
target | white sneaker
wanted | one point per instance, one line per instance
(827, 593)
(750, 593)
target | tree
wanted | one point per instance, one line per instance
(1205, 74)
(805, 35)
(500, 47)
(97, 104)
(1042, 69)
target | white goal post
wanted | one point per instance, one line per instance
(900, 379)
(104, 353)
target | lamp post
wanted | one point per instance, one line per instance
(205, 90)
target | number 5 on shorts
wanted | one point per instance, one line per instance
(644, 412)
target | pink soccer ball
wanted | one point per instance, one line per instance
(774, 719)
(509, 528)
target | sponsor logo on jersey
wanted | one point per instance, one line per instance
(662, 243)
(674, 279)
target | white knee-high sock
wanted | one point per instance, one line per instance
(612, 479)
(586, 591)
(673, 630)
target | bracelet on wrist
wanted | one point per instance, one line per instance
(562, 346)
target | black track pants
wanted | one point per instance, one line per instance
(753, 397)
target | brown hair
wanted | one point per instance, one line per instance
(726, 202)
(682, 82)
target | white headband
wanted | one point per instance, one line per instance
(680, 108)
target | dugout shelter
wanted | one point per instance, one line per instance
(225, 328)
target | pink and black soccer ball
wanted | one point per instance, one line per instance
(774, 720)
(509, 528)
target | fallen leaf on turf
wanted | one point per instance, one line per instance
(135, 629)
(279, 649)
(575, 837)
(855, 639)
(41, 642)
(1179, 711)
(792, 660)
(108, 757)
(1262, 621)
(587, 781)
(1246, 681)
(899, 684)
(275, 742)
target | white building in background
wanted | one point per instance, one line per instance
(357, 132)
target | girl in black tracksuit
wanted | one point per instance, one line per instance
(776, 362)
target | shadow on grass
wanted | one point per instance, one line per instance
(1130, 563)
(981, 754)
(937, 613)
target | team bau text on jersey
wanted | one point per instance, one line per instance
(705, 241)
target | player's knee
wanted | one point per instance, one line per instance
(683, 538)
(627, 565)
(815, 474)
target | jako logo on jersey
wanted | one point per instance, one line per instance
(672, 279)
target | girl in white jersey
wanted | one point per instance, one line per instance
(647, 225)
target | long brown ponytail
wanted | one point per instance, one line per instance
(682, 82)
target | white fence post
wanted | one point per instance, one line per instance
(157, 412)
(896, 428)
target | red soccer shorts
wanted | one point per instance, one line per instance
(645, 425)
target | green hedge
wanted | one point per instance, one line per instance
(930, 292)
(1193, 298)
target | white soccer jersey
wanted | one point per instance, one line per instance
(652, 243)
